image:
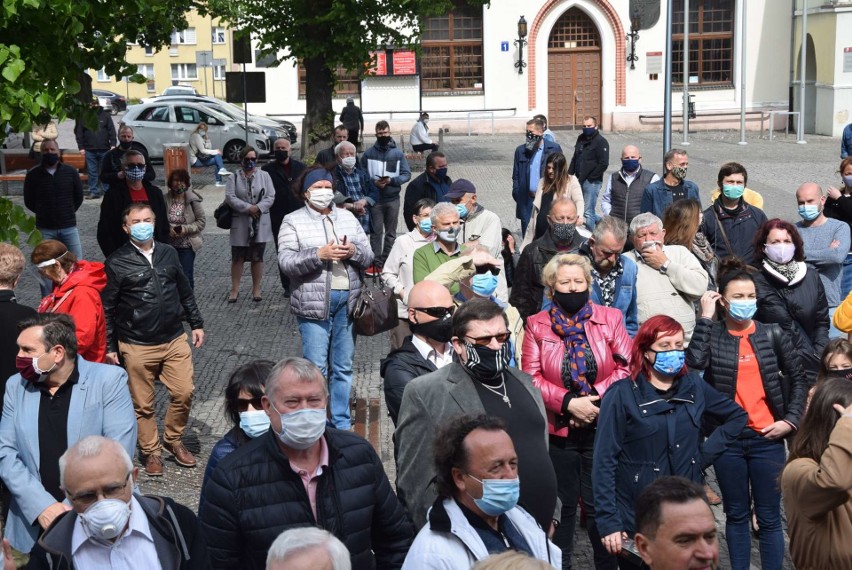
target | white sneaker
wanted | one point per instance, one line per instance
(219, 184)
(224, 172)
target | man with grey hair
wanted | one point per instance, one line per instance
(326, 156)
(110, 526)
(446, 225)
(56, 399)
(613, 273)
(354, 183)
(669, 279)
(307, 548)
(672, 187)
(302, 472)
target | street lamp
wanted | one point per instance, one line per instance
(635, 22)
(521, 42)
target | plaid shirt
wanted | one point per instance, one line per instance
(352, 189)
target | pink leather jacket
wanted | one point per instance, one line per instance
(544, 350)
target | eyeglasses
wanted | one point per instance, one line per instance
(482, 269)
(486, 340)
(437, 312)
(89, 497)
(243, 403)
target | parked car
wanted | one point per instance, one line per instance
(172, 121)
(116, 102)
(180, 90)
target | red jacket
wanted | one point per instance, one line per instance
(80, 296)
(544, 351)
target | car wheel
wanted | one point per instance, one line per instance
(232, 151)
(115, 109)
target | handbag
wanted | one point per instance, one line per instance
(375, 310)
(224, 216)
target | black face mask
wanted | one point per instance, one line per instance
(440, 330)
(281, 155)
(383, 141)
(841, 373)
(125, 144)
(571, 302)
(486, 363)
(49, 159)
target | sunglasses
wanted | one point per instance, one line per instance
(486, 340)
(437, 312)
(135, 165)
(243, 403)
(487, 269)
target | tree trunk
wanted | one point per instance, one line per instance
(319, 115)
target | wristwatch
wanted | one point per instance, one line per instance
(665, 266)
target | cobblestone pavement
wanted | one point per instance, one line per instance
(244, 331)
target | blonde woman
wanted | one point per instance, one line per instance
(202, 153)
(555, 182)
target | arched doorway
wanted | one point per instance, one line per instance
(810, 87)
(574, 70)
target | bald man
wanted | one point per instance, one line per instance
(826, 242)
(430, 311)
(623, 195)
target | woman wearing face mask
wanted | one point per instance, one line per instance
(202, 153)
(324, 250)
(574, 351)
(250, 193)
(836, 360)
(816, 481)
(186, 220)
(555, 182)
(242, 407)
(419, 138)
(790, 293)
(838, 205)
(77, 286)
(753, 364)
(650, 427)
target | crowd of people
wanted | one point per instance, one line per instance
(589, 375)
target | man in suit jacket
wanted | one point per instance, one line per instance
(56, 399)
(528, 168)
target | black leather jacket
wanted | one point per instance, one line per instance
(145, 304)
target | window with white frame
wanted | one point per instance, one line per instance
(149, 51)
(184, 71)
(186, 36)
(102, 75)
(218, 35)
(219, 72)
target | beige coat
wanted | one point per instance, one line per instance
(42, 133)
(574, 190)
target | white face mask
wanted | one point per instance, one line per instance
(320, 198)
(302, 428)
(106, 519)
(349, 162)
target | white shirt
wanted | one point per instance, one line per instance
(430, 354)
(149, 254)
(134, 549)
(398, 271)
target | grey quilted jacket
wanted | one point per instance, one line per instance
(302, 234)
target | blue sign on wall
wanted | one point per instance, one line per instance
(504, 46)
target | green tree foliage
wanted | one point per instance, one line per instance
(15, 221)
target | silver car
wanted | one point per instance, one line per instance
(166, 122)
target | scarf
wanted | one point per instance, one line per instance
(701, 248)
(572, 331)
(785, 272)
(607, 281)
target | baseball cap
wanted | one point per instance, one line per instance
(459, 188)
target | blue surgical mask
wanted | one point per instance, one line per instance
(847, 181)
(462, 210)
(484, 285)
(742, 311)
(498, 495)
(733, 191)
(254, 423)
(669, 362)
(425, 225)
(630, 164)
(809, 212)
(142, 232)
(441, 173)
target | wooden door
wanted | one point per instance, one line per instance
(574, 70)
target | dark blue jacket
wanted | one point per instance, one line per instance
(846, 141)
(740, 228)
(642, 437)
(658, 196)
(521, 177)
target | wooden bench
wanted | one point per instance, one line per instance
(416, 161)
(15, 163)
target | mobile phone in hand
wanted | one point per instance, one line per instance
(630, 552)
(345, 238)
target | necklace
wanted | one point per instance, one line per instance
(497, 390)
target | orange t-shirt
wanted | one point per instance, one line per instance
(750, 393)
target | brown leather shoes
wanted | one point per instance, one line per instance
(154, 466)
(712, 497)
(182, 455)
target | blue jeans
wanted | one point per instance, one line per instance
(846, 280)
(590, 197)
(186, 256)
(335, 333)
(213, 159)
(94, 158)
(71, 238)
(754, 461)
(833, 331)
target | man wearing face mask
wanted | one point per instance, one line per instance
(94, 144)
(321, 476)
(447, 228)
(527, 288)
(133, 189)
(110, 524)
(433, 184)
(111, 171)
(528, 168)
(326, 157)
(590, 161)
(826, 242)
(430, 312)
(625, 187)
(476, 513)
(146, 299)
(480, 381)
(56, 399)
(354, 183)
(53, 192)
(672, 187)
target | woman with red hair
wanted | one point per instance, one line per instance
(650, 426)
(790, 293)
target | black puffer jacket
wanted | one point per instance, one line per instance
(254, 495)
(715, 351)
(399, 368)
(802, 312)
(145, 304)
